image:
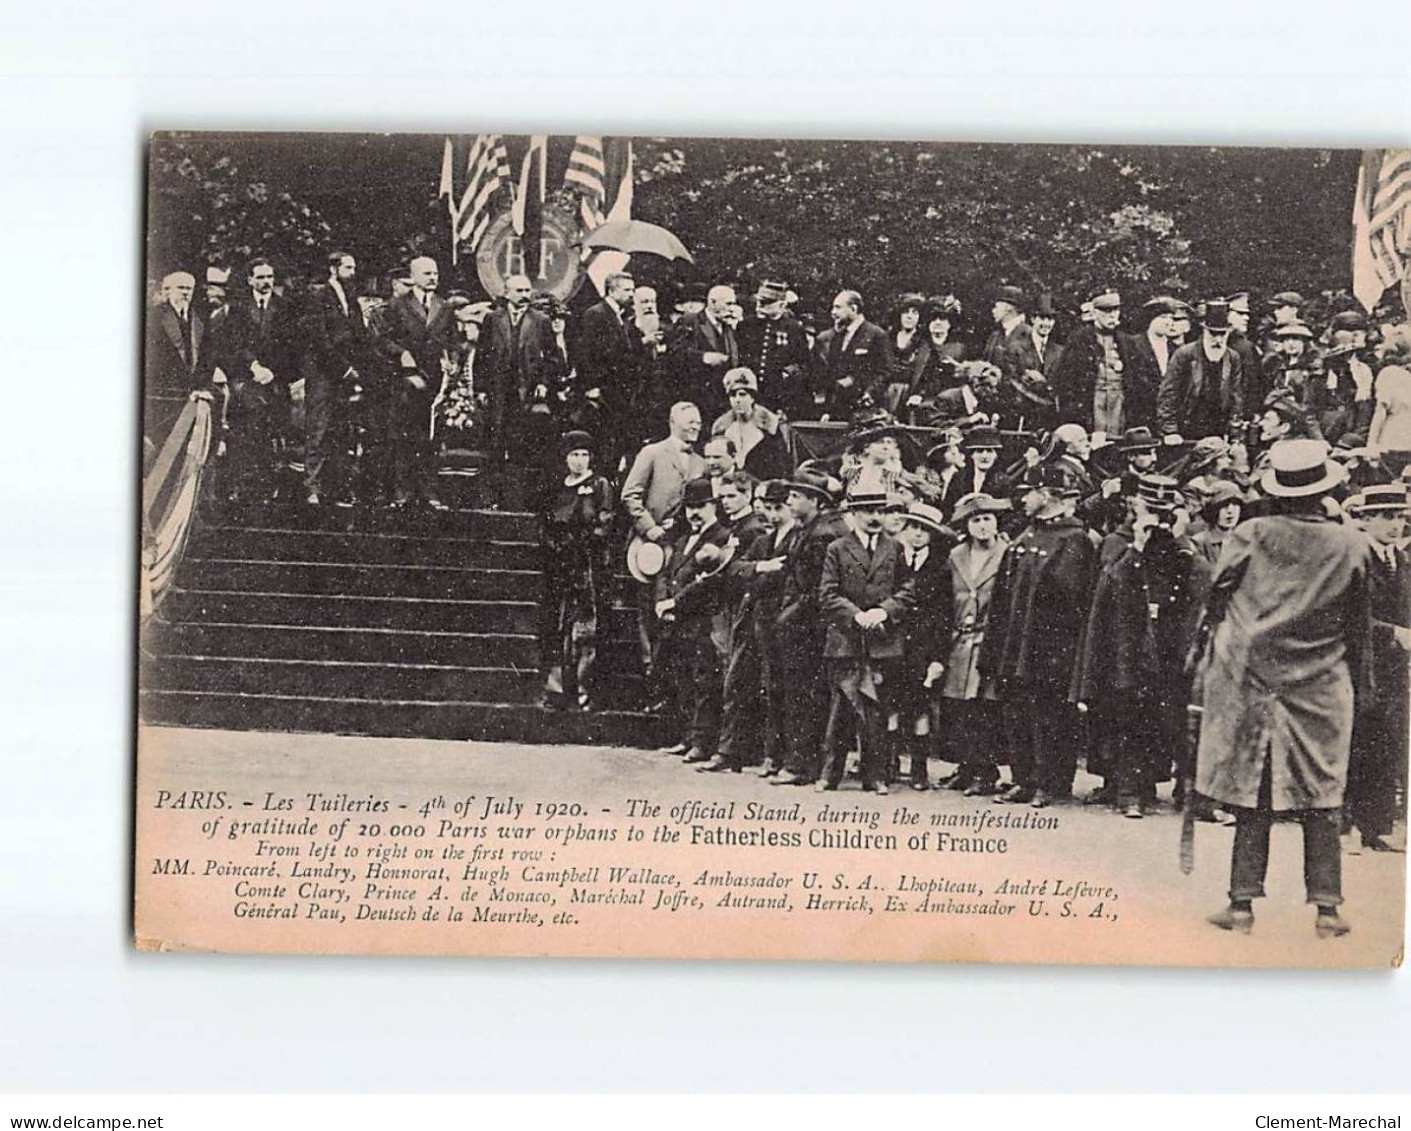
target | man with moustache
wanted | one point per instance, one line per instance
(1098, 382)
(419, 333)
(689, 594)
(513, 342)
(853, 360)
(256, 348)
(703, 348)
(336, 356)
(606, 359)
(774, 346)
(174, 357)
(1202, 393)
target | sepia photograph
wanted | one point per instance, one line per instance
(795, 549)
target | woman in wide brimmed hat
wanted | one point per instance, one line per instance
(1281, 672)
(575, 516)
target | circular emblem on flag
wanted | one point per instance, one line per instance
(502, 253)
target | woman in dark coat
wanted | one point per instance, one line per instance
(934, 364)
(575, 515)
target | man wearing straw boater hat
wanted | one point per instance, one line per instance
(863, 595)
(1380, 735)
(1286, 655)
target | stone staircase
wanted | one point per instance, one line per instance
(374, 622)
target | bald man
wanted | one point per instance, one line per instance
(702, 349)
(418, 331)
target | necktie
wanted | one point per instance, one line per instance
(872, 544)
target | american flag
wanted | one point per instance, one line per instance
(487, 168)
(586, 170)
(1382, 219)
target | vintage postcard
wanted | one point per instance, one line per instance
(704, 548)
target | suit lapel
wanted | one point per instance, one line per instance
(172, 325)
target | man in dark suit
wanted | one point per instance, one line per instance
(511, 361)
(334, 361)
(256, 347)
(419, 329)
(689, 593)
(1202, 393)
(702, 349)
(606, 361)
(864, 594)
(854, 359)
(1010, 332)
(173, 360)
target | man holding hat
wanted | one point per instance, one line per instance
(800, 624)
(863, 595)
(774, 345)
(1037, 615)
(689, 594)
(1202, 393)
(1092, 381)
(1381, 734)
(1285, 664)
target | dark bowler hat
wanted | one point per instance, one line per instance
(575, 441)
(1385, 497)
(698, 492)
(981, 436)
(773, 491)
(1159, 492)
(1349, 320)
(1012, 295)
(1137, 439)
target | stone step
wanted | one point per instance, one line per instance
(502, 525)
(485, 722)
(375, 580)
(358, 548)
(364, 679)
(351, 611)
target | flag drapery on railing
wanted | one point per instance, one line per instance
(169, 494)
(1381, 217)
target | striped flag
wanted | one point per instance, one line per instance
(586, 170)
(619, 179)
(487, 169)
(527, 212)
(1381, 218)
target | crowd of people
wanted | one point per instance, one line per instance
(1175, 553)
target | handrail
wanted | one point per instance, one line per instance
(169, 494)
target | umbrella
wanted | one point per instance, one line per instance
(638, 237)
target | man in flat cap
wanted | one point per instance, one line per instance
(1098, 381)
(774, 346)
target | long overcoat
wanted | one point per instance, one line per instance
(1284, 663)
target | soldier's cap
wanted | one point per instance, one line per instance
(1292, 330)
(1159, 492)
(865, 501)
(770, 290)
(773, 491)
(698, 492)
(1139, 439)
(1300, 468)
(1385, 497)
(1238, 302)
(978, 502)
(1012, 295)
(924, 514)
(740, 378)
(1286, 298)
